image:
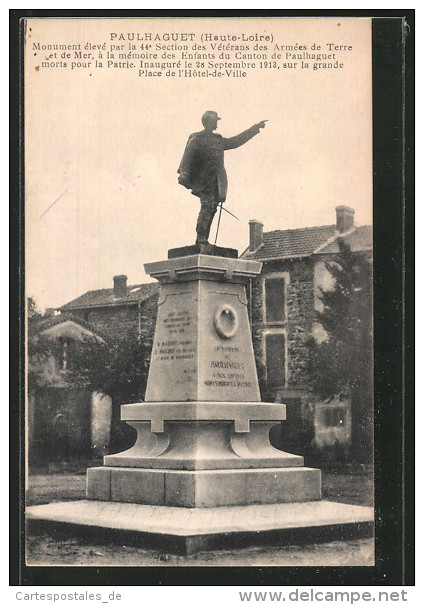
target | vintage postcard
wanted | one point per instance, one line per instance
(199, 262)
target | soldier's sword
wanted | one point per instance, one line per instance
(233, 215)
(219, 220)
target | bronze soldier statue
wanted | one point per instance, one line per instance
(202, 168)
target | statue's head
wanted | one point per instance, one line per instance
(210, 120)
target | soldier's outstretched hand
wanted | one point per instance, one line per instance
(262, 124)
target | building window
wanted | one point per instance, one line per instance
(275, 359)
(65, 355)
(63, 358)
(275, 294)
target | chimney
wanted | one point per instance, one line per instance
(120, 286)
(345, 218)
(256, 232)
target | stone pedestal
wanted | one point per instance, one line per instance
(202, 432)
(202, 473)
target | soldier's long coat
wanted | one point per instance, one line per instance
(203, 162)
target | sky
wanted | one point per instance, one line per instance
(102, 148)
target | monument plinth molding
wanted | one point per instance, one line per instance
(202, 432)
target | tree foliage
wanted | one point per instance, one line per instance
(117, 367)
(32, 308)
(39, 349)
(342, 365)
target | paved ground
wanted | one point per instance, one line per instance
(353, 488)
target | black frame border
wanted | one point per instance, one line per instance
(393, 153)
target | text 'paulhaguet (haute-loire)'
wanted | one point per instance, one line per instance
(192, 55)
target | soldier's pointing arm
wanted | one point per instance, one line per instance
(242, 138)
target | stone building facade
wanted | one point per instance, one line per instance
(283, 304)
(119, 309)
(65, 420)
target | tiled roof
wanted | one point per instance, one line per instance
(101, 298)
(291, 242)
(45, 323)
(358, 240)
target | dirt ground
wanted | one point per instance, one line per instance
(352, 488)
(43, 550)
